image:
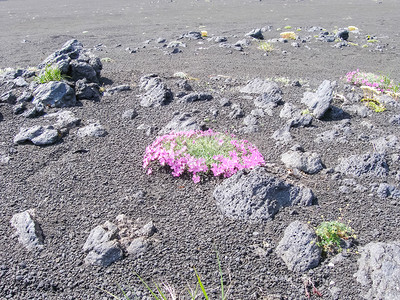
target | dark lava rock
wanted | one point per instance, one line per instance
(87, 91)
(298, 247)
(55, 94)
(25, 97)
(369, 164)
(35, 111)
(75, 61)
(271, 95)
(256, 33)
(196, 97)
(387, 190)
(236, 112)
(156, 92)
(258, 196)
(343, 34)
(193, 35)
(65, 119)
(379, 270)
(28, 229)
(129, 114)
(319, 101)
(8, 97)
(117, 89)
(102, 245)
(38, 135)
(307, 162)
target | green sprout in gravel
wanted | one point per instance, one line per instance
(330, 235)
(167, 292)
(266, 46)
(50, 73)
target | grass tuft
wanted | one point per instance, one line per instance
(331, 233)
(50, 73)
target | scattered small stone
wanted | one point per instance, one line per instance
(386, 190)
(307, 162)
(8, 97)
(25, 97)
(87, 91)
(28, 230)
(117, 89)
(148, 129)
(129, 114)
(256, 33)
(236, 112)
(225, 102)
(36, 111)
(259, 86)
(38, 135)
(192, 97)
(92, 130)
(298, 247)
(193, 35)
(65, 119)
(343, 34)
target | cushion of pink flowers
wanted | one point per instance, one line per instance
(215, 152)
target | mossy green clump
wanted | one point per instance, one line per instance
(50, 73)
(330, 235)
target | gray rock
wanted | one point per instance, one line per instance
(220, 39)
(241, 44)
(104, 254)
(298, 247)
(320, 101)
(359, 110)
(300, 120)
(395, 120)
(137, 247)
(193, 35)
(236, 112)
(305, 161)
(129, 114)
(8, 97)
(38, 135)
(184, 85)
(287, 111)
(75, 61)
(369, 164)
(256, 33)
(102, 245)
(386, 144)
(156, 92)
(250, 120)
(181, 122)
(92, 130)
(226, 102)
(54, 94)
(147, 230)
(283, 134)
(118, 89)
(387, 190)
(35, 111)
(148, 129)
(379, 270)
(28, 230)
(65, 119)
(258, 196)
(87, 91)
(342, 34)
(272, 96)
(25, 97)
(20, 82)
(259, 86)
(101, 234)
(19, 108)
(196, 97)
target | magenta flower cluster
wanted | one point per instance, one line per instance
(202, 152)
(379, 82)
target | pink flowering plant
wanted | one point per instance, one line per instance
(201, 153)
(380, 82)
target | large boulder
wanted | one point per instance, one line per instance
(298, 247)
(181, 122)
(305, 161)
(54, 94)
(257, 196)
(379, 270)
(38, 135)
(369, 164)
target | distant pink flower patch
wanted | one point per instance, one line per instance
(202, 153)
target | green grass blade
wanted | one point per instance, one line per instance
(148, 288)
(201, 285)
(160, 292)
(221, 279)
(112, 295)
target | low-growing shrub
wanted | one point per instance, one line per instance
(330, 235)
(202, 153)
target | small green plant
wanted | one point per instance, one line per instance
(331, 233)
(50, 73)
(374, 104)
(167, 292)
(287, 27)
(305, 112)
(266, 46)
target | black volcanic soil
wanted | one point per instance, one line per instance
(73, 190)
